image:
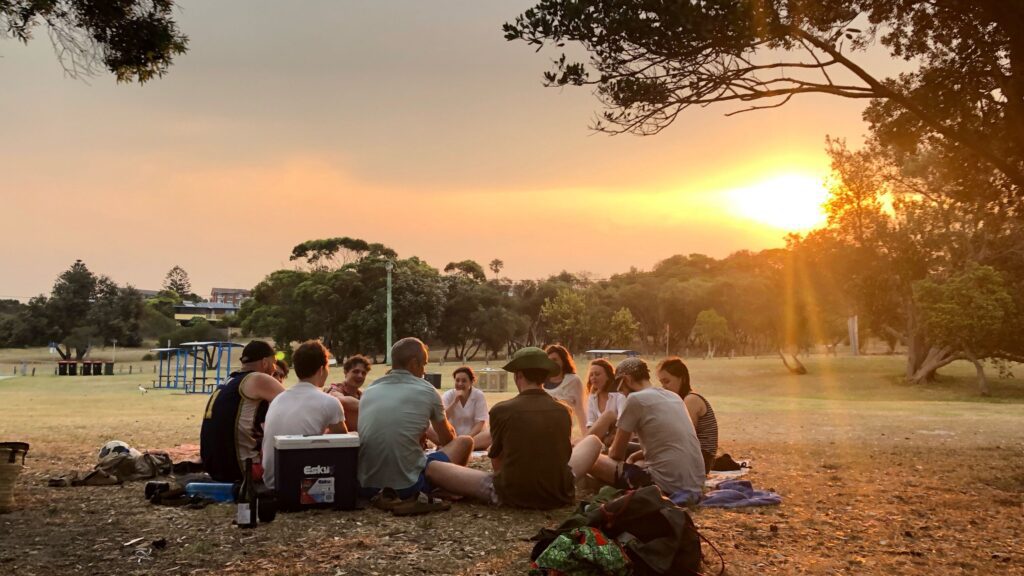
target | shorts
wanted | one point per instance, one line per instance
(421, 485)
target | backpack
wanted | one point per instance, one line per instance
(658, 536)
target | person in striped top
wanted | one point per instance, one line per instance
(674, 376)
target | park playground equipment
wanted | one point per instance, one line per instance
(188, 367)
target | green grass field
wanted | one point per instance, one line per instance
(861, 459)
(82, 412)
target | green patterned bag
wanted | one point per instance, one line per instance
(582, 551)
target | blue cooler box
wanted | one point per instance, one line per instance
(316, 471)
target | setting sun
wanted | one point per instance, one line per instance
(791, 202)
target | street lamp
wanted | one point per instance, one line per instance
(389, 266)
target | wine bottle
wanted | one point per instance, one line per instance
(245, 513)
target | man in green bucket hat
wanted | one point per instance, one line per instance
(535, 464)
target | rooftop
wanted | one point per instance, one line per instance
(208, 305)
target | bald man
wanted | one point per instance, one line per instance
(394, 413)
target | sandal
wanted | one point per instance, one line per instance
(419, 506)
(386, 499)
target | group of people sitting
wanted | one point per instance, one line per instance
(631, 432)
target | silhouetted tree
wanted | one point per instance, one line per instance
(136, 40)
(649, 61)
(177, 281)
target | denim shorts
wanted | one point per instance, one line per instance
(421, 485)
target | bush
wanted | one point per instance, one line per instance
(147, 357)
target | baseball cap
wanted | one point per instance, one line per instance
(256, 350)
(635, 368)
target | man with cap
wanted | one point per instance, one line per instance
(670, 452)
(535, 464)
(232, 428)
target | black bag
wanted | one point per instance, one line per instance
(658, 536)
(725, 463)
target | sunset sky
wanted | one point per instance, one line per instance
(413, 124)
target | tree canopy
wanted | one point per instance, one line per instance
(325, 253)
(83, 310)
(650, 61)
(177, 281)
(136, 40)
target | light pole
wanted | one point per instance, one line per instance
(114, 358)
(389, 266)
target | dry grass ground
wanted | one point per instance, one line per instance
(877, 478)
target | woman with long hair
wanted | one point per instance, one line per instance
(674, 375)
(602, 398)
(566, 386)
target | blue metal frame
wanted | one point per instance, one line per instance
(213, 357)
(165, 378)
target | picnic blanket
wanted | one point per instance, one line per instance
(738, 494)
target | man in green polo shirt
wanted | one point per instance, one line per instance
(535, 464)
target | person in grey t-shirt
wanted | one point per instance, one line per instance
(394, 413)
(670, 449)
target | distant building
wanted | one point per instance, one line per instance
(229, 295)
(211, 311)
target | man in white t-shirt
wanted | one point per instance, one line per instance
(303, 409)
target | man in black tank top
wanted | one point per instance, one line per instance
(232, 427)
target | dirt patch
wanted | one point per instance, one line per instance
(893, 509)
(875, 479)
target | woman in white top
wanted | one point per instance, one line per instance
(601, 399)
(566, 386)
(466, 409)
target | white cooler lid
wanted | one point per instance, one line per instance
(350, 440)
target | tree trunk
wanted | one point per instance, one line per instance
(930, 363)
(917, 348)
(979, 367)
(795, 367)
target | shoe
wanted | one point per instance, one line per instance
(154, 487)
(421, 505)
(386, 499)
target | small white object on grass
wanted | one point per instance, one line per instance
(143, 389)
